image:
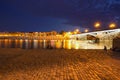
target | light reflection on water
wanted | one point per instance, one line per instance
(57, 44)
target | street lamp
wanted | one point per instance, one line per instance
(69, 33)
(112, 26)
(97, 25)
(77, 30)
(86, 30)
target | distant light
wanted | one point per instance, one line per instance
(69, 33)
(77, 30)
(97, 25)
(86, 30)
(112, 26)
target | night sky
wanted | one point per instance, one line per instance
(48, 15)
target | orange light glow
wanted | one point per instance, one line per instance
(77, 30)
(97, 25)
(112, 25)
(86, 30)
(69, 33)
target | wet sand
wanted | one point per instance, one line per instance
(59, 64)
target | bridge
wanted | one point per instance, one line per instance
(96, 39)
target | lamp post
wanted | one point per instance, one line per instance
(97, 25)
(86, 30)
(76, 31)
(112, 26)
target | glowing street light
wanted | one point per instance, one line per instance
(77, 30)
(97, 25)
(86, 30)
(112, 26)
(69, 33)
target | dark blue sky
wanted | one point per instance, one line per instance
(47, 15)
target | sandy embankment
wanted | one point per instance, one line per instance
(58, 64)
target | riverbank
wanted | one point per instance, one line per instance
(58, 64)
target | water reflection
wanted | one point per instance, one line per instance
(67, 44)
(53, 44)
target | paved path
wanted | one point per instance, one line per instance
(18, 64)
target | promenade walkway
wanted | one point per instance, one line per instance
(59, 64)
